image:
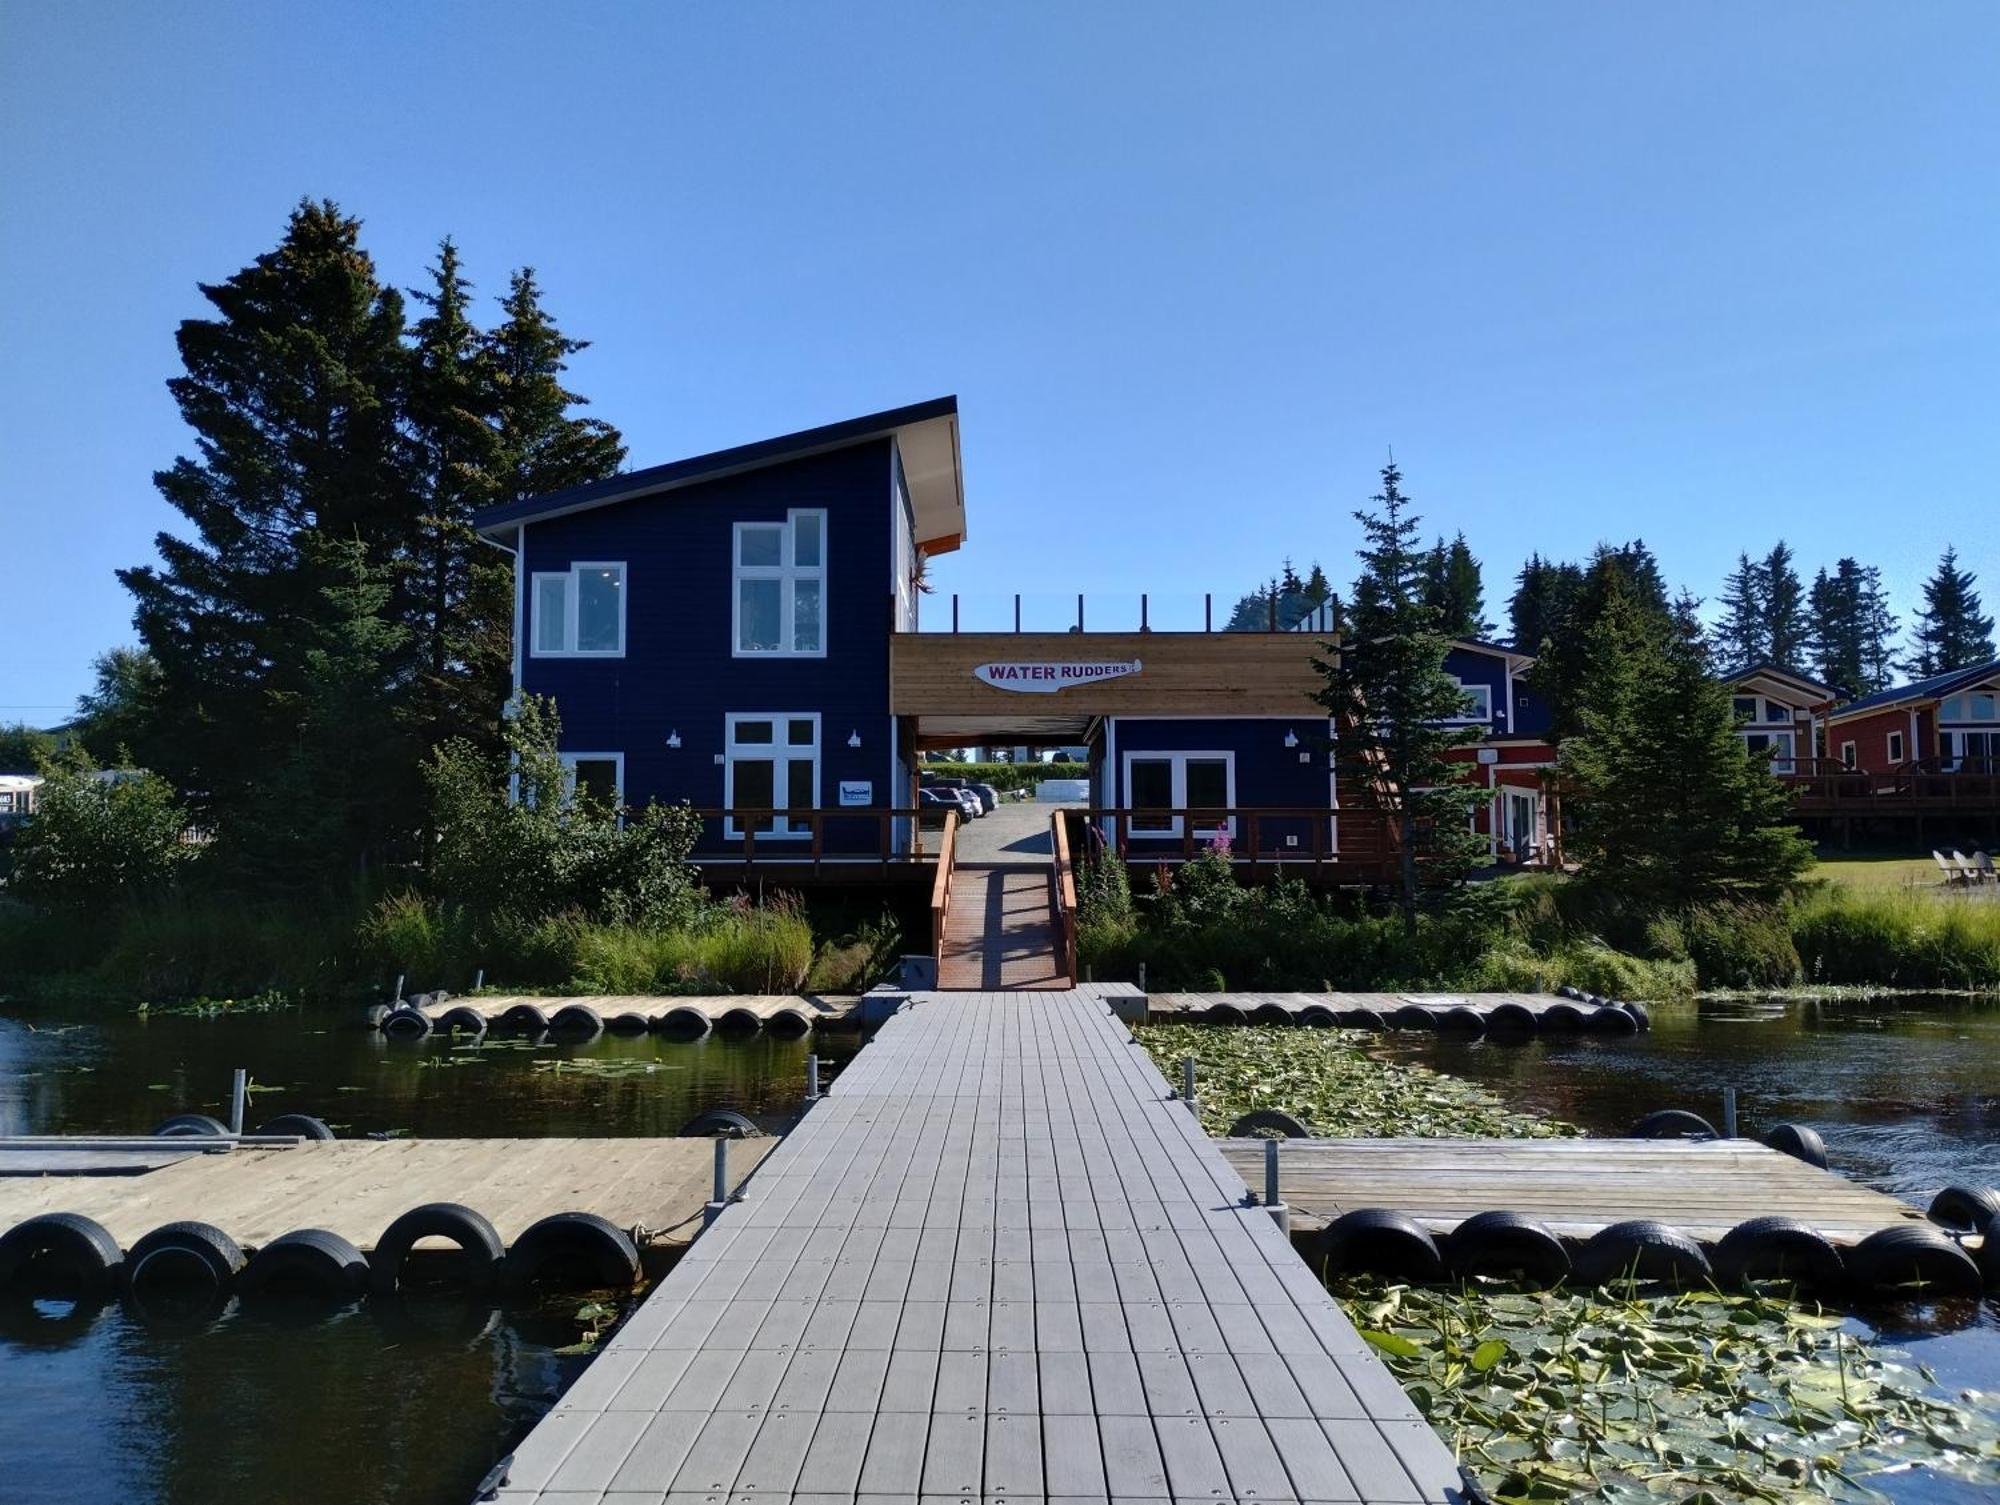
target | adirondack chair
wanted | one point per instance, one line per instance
(1951, 874)
(1982, 864)
(1967, 873)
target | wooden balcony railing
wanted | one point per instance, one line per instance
(821, 839)
(1256, 838)
(1827, 786)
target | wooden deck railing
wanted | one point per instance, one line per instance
(1828, 786)
(941, 885)
(817, 839)
(1063, 895)
(1256, 838)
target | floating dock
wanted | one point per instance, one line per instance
(1577, 1187)
(357, 1187)
(787, 1015)
(997, 1262)
(1473, 1013)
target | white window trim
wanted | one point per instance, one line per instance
(1480, 691)
(1850, 756)
(1781, 745)
(1896, 747)
(572, 598)
(779, 752)
(569, 760)
(1178, 762)
(787, 574)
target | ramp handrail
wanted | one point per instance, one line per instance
(1064, 896)
(941, 885)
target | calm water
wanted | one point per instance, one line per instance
(377, 1403)
(385, 1405)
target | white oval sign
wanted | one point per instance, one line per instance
(1045, 677)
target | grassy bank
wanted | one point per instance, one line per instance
(190, 946)
(1201, 930)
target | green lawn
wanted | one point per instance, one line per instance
(1875, 873)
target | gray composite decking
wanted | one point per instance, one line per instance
(997, 1263)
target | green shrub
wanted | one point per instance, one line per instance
(1007, 776)
(93, 843)
(1741, 946)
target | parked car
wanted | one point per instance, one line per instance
(968, 801)
(988, 796)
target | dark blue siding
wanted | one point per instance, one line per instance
(1268, 774)
(678, 673)
(1472, 668)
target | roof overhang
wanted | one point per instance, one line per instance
(926, 436)
(1769, 679)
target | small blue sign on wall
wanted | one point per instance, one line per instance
(857, 792)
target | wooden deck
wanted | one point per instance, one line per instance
(357, 1187)
(1576, 1186)
(996, 1263)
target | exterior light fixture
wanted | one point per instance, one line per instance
(854, 739)
(673, 739)
(1291, 738)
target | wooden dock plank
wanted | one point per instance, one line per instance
(1577, 1186)
(357, 1187)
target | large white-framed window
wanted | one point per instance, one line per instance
(1776, 747)
(578, 612)
(598, 777)
(778, 587)
(1168, 782)
(1896, 748)
(1973, 752)
(1982, 705)
(1478, 704)
(770, 766)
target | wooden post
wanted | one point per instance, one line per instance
(1017, 611)
(954, 611)
(1207, 611)
(1143, 624)
(1079, 611)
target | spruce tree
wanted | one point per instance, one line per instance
(543, 446)
(1542, 595)
(1390, 698)
(1453, 589)
(1950, 632)
(1627, 573)
(1669, 812)
(457, 596)
(1784, 610)
(1741, 637)
(293, 392)
(1849, 628)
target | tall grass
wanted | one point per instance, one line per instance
(741, 950)
(1889, 939)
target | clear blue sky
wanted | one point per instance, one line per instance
(1706, 275)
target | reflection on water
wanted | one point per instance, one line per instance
(379, 1402)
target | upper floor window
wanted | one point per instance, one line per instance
(1477, 704)
(580, 612)
(780, 586)
(1980, 706)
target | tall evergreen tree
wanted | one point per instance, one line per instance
(1626, 573)
(293, 390)
(1785, 626)
(1742, 637)
(1669, 813)
(1950, 632)
(1849, 627)
(1390, 698)
(1542, 594)
(457, 594)
(1452, 588)
(544, 447)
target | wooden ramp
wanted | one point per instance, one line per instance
(997, 1263)
(1576, 1186)
(357, 1187)
(1001, 933)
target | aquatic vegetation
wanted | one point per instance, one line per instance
(270, 1001)
(1557, 1395)
(1324, 1077)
